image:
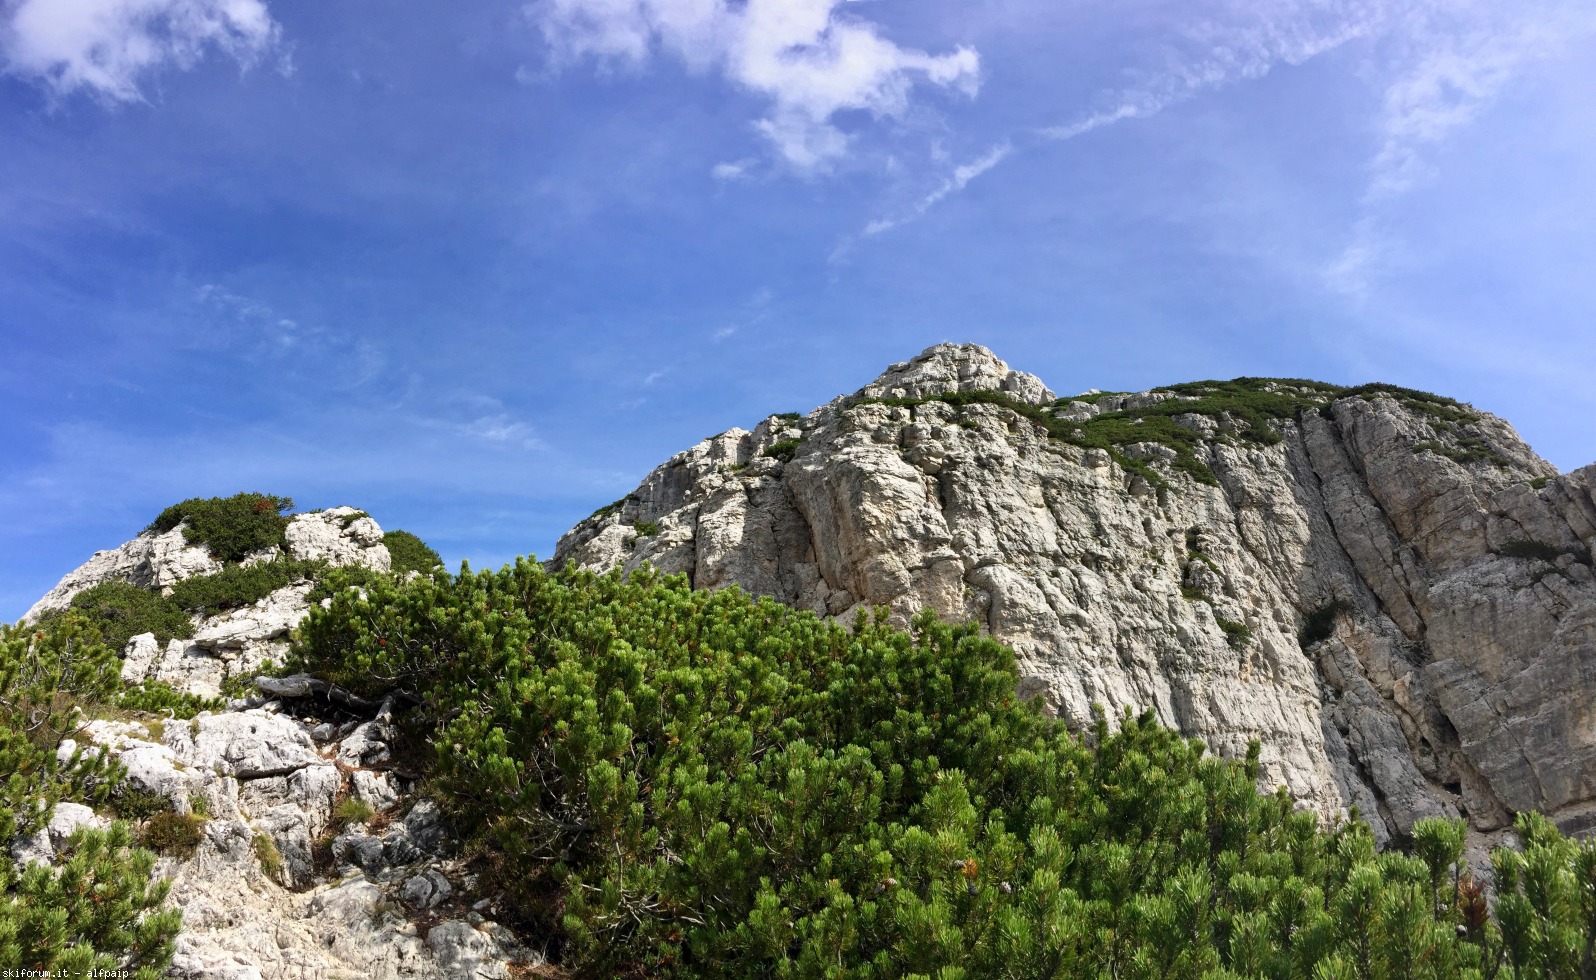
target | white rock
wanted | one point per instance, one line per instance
(67, 817)
(322, 535)
(1457, 680)
(246, 744)
(426, 890)
(149, 561)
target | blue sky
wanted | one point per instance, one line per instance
(477, 267)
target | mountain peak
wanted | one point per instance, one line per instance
(1343, 574)
(947, 368)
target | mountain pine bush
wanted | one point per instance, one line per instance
(120, 611)
(674, 783)
(233, 528)
(95, 907)
(410, 553)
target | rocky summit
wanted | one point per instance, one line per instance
(1387, 589)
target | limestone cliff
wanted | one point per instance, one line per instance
(1389, 590)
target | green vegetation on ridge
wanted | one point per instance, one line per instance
(670, 783)
(233, 528)
(410, 553)
(1249, 408)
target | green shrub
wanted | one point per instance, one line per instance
(783, 450)
(94, 913)
(1467, 450)
(646, 529)
(160, 698)
(1255, 406)
(342, 577)
(410, 553)
(1238, 635)
(1194, 595)
(131, 803)
(96, 907)
(1437, 407)
(608, 509)
(270, 858)
(352, 810)
(233, 528)
(172, 833)
(241, 684)
(670, 783)
(789, 417)
(236, 586)
(1320, 624)
(120, 611)
(1540, 482)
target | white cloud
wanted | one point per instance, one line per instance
(1454, 63)
(1457, 75)
(1234, 43)
(1363, 262)
(736, 170)
(955, 182)
(1231, 43)
(335, 359)
(809, 59)
(755, 310)
(107, 47)
(502, 428)
(472, 417)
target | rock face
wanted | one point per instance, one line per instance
(1393, 595)
(258, 902)
(311, 838)
(235, 643)
(341, 536)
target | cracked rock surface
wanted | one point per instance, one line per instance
(1457, 677)
(285, 884)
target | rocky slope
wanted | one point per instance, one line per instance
(315, 860)
(1390, 591)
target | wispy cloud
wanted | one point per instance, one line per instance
(1457, 62)
(807, 57)
(253, 329)
(955, 182)
(731, 170)
(472, 418)
(502, 428)
(755, 311)
(1456, 77)
(109, 47)
(1233, 43)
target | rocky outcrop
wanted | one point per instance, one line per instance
(1390, 592)
(341, 536)
(286, 881)
(149, 561)
(235, 643)
(316, 859)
